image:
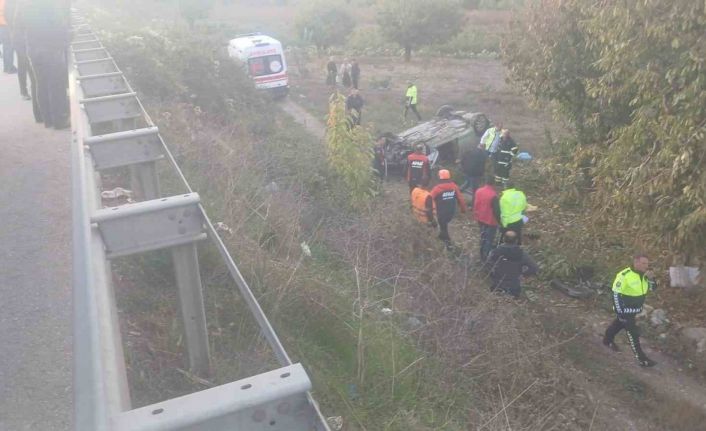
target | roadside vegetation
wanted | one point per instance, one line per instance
(396, 333)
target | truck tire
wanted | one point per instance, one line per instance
(480, 124)
(445, 111)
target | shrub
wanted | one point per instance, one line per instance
(350, 153)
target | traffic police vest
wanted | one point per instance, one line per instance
(412, 94)
(512, 203)
(490, 137)
(630, 283)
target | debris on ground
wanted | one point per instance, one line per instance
(646, 310)
(118, 193)
(658, 317)
(335, 422)
(222, 227)
(684, 276)
(524, 156)
(697, 336)
(577, 292)
(305, 249)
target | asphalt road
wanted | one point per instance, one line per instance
(35, 269)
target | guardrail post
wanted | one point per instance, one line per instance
(144, 180)
(193, 313)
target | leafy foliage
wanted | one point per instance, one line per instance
(415, 23)
(630, 76)
(324, 23)
(181, 66)
(350, 153)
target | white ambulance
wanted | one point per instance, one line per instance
(264, 59)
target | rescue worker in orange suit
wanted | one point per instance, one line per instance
(423, 206)
(446, 196)
(418, 168)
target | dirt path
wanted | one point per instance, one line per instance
(35, 292)
(620, 386)
(315, 126)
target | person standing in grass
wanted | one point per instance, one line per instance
(331, 73)
(630, 289)
(411, 98)
(354, 107)
(513, 204)
(446, 197)
(355, 73)
(418, 168)
(486, 211)
(346, 74)
(473, 168)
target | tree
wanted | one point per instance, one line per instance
(415, 23)
(350, 153)
(191, 10)
(630, 74)
(324, 23)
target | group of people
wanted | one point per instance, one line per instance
(348, 74)
(494, 211)
(37, 31)
(504, 211)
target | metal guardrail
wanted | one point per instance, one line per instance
(111, 129)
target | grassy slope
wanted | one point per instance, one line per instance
(316, 314)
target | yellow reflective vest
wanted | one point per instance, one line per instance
(512, 205)
(412, 94)
(489, 137)
(630, 283)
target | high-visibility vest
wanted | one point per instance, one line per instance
(490, 137)
(630, 283)
(512, 203)
(419, 204)
(412, 94)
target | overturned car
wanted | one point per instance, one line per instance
(443, 137)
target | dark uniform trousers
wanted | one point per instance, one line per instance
(49, 83)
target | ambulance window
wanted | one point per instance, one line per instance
(257, 66)
(266, 65)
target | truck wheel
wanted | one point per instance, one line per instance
(445, 111)
(480, 124)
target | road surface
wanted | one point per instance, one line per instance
(35, 269)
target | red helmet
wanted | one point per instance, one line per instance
(444, 174)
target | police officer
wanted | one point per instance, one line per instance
(513, 204)
(629, 291)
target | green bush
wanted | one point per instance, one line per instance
(636, 103)
(350, 154)
(177, 65)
